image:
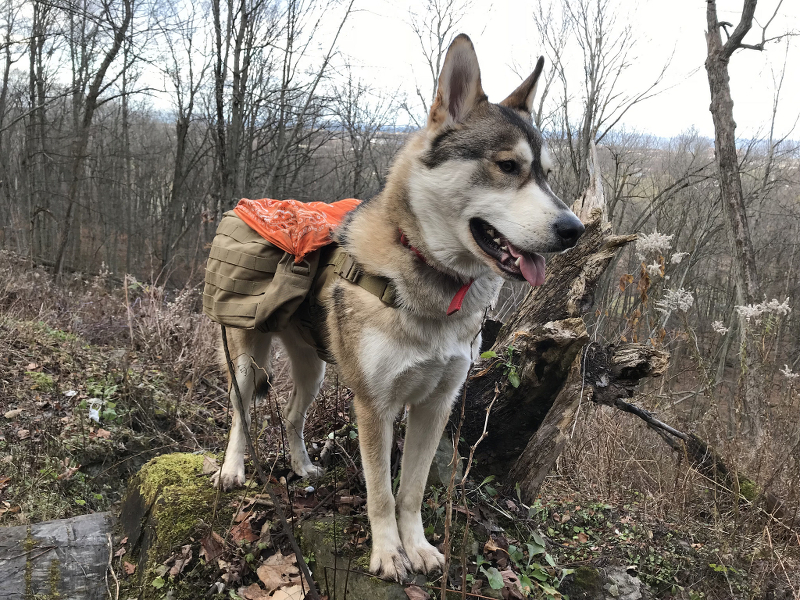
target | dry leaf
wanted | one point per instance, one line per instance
(7, 508)
(491, 546)
(583, 538)
(103, 433)
(279, 571)
(181, 560)
(253, 592)
(414, 592)
(31, 366)
(120, 552)
(512, 588)
(23, 434)
(243, 531)
(294, 592)
(13, 414)
(67, 475)
(129, 568)
(211, 546)
(210, 465)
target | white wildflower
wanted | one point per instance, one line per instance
(676, 258)
(655, 242)
(673, 300)
(787, 372)
(756, 311)
(719, 327)
(654, 270)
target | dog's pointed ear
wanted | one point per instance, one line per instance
(522, 97)
(459, 85)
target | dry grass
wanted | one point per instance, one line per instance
(616, 460)
(637, 500)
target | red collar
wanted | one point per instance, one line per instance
(458, 299)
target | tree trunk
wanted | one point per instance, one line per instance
(82, 133)
(541, 346)
(730, 184)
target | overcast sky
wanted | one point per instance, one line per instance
(378, 39)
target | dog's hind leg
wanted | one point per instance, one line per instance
(426, 422)
(375, 428)
(250, 352)
(308, 372)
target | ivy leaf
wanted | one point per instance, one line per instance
(534, 549)
(489, 354)
(158, 583)
(494, 577)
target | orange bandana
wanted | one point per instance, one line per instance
(295, 227)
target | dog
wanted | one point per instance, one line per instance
(465, 206)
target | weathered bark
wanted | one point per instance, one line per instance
(541, 344)
(57, 559)
(599, 374)
(730, 185)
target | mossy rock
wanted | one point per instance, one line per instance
(335, 570)
(586, 583)
(163, 506)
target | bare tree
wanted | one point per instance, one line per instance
(730, 185)
(363, 117)
(605, 45)
(117, 25)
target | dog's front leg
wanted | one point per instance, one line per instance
(426, 422)
(231, 475)
(388, 560)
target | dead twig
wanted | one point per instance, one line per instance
(111, 568)
(313, 593)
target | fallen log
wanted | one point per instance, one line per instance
(67, 558)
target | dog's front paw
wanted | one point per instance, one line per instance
(424, 557)
(228, 479)
(308, 470)
(390, 564)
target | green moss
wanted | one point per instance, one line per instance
(179, 469)
(41, 381)
(362, 562)
(332, 528)
(748, 489)
(587, 579)
(55, 579)
(180, 496)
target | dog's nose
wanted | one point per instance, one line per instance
(569, 228)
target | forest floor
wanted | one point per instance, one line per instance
(96, 379)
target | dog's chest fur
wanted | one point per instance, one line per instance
(394, 357)
(407, 369)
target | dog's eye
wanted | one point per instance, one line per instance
(508, 166)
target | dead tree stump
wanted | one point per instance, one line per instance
(538, 368)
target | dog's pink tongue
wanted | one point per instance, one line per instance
(531, 265)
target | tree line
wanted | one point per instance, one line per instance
(127, 127)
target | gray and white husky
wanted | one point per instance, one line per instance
(466, 199)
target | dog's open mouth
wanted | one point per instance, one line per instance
(517, 263)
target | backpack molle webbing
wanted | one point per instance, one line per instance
(250, 282)
(253, 284)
